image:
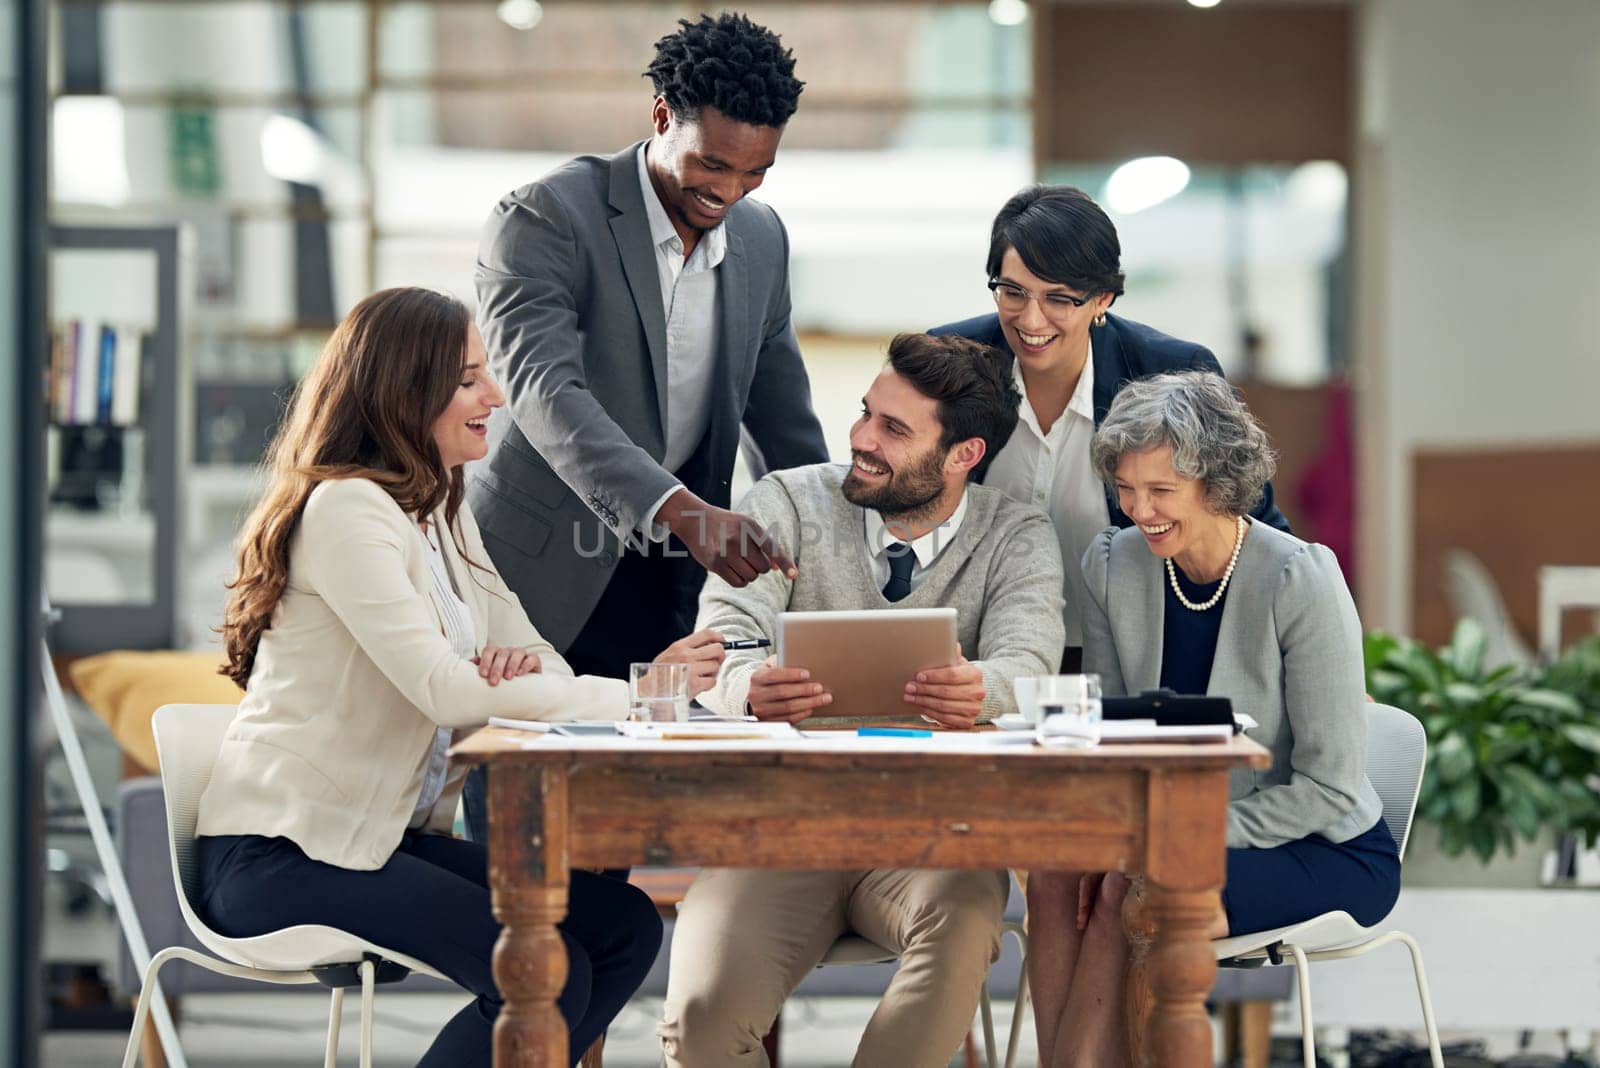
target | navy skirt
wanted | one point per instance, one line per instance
(1293, 882)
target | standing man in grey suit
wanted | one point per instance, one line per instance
(636, 309)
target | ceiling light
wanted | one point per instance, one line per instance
(520, 14)
(88, 140)
(1320, 184)
(291, 151)
(1143, 183)
(1008, 12)
(1204, 3)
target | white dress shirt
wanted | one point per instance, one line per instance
(1051, 471)
(689, 293)
(926, 548)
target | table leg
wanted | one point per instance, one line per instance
(528, 888)
(1181, 971)
(1185, 866)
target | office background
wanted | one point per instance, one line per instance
(1382, 215)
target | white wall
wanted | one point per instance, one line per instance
(1478, 245)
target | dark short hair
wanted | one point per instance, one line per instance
(1062, 236)
(728, 63)
(972, 383)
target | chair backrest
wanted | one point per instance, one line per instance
(1474, 595)
(1397, 750)
(188, 738)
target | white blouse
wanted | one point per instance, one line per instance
(459, 630)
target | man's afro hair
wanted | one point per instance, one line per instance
(728, 63)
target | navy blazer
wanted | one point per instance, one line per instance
(1122, 351)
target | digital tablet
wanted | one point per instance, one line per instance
(866, 658)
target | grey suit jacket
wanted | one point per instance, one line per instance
(571, 315)
(1288, 653)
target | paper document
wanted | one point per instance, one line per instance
(937, 742)
(706, 730)
(1145, 730)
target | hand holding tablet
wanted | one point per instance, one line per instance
(867, 662)
(785, 694)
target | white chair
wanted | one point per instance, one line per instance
(188, 738)
(1474, 595)
(853, 949)
(1397, 749)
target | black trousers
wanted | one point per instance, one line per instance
(648, 604)
(431, 902)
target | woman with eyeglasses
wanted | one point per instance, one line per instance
(1054, 269)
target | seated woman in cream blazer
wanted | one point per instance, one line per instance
(1198, 598)
(367, 624)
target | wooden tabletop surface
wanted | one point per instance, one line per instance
(509, 744)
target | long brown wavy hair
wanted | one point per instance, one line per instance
(365, 410)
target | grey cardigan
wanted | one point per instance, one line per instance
(1288, 653)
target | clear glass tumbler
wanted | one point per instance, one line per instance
(1069, 710)
(658, 692)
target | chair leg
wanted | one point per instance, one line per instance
(130, 1056)
(986, 1010)
(1434, 1053)
(1302, 971)
(1021, 1007)
(151, 1053)
(330, 1058)
(368, 975)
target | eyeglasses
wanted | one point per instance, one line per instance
(1015, 298)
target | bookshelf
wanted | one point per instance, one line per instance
(117, 417)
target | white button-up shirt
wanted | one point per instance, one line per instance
(926, 548)
(1051, 471)
(689, 299)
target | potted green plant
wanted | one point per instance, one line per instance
(1513, 753)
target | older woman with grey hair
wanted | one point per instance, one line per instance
(1242, 611)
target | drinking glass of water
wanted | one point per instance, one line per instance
(658, 692)
(1069, 710)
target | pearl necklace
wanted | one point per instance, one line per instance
(1172, 575)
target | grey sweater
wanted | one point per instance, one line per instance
(1001, 573)
(1288, 653)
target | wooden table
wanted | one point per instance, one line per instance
(556, 803)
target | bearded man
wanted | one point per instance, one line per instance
(903, 526)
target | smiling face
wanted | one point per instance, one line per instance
(1172, 511)
(703, 166)
(1047, 332)
(461, 431)
(899, 468)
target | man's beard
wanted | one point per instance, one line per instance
(909, 493)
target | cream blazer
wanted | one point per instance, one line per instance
(331, 741)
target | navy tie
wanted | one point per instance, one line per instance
(901, 561)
